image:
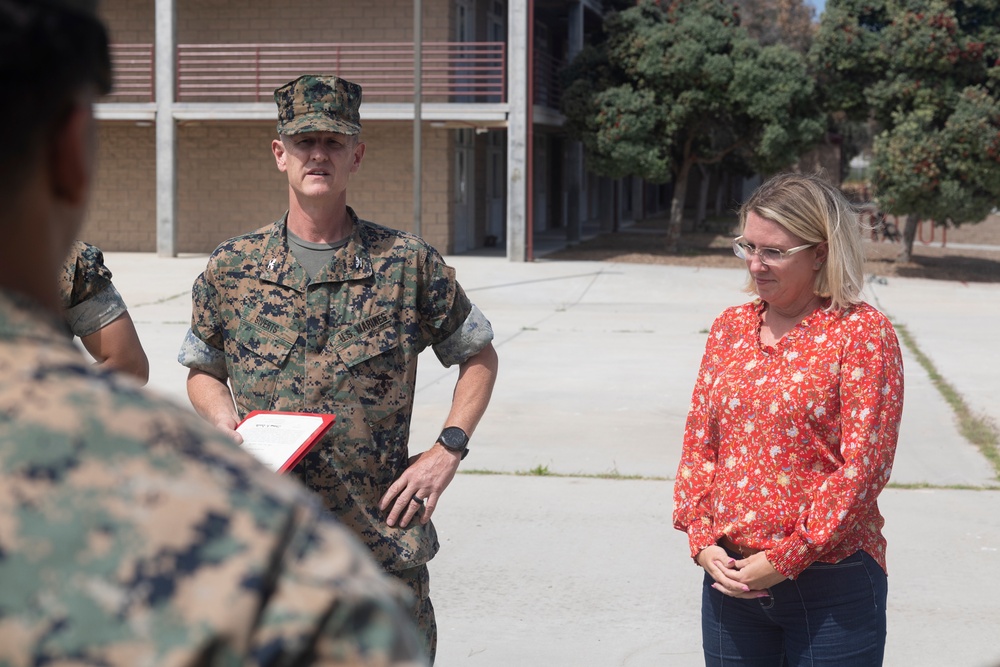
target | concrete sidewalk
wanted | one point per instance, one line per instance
(597, 365)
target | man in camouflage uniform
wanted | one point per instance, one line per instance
(324, 312)
(131, 533)
(96, 312)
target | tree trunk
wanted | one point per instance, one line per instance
(706, 178)
(677, 209)
(909, 234)
(720, 191)
(615, 205)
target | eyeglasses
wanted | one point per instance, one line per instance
(767, 256)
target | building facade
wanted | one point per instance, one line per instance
(185, 159)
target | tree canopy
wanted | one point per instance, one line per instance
(788, 22)
(928, 71)
(679, 83)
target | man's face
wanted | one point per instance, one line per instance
(318, 164)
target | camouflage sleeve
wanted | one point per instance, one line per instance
(96, 312)
(83, 275)
(199, 355)
(202, 348)
(441, 301)
(474, 334)
(89, 300)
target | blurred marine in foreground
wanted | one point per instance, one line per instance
(131, 533)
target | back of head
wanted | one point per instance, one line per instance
(814, 210)
(51, 51)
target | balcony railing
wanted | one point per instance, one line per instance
(548, 91)
(451, 71)
(132, 65)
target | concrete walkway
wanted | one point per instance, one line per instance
(597, 364)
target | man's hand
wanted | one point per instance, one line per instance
(426, 478)
(430, 473)
(212, 400)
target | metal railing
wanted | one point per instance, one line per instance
(132, 69)
(547, 88)
(451, 71)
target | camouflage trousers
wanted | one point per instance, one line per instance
(418, 580)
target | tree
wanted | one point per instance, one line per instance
(928, 72)
(680, 83)
(788, 22)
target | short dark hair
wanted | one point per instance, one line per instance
(49, 54)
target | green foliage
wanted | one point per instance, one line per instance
(928, 71)
(846, 54)
(681, 83)
(943, 173)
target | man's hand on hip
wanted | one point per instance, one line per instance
(417, 490)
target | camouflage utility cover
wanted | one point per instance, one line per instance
(89, 299)
(319, 104)
(345, 344)
(133, 534)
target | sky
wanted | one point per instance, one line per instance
(818, 4)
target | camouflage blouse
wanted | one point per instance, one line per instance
(133, 534)
(344, 343)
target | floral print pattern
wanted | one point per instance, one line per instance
(786, 448)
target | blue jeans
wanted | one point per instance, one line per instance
(833, 615)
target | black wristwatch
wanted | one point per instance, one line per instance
(455, 439)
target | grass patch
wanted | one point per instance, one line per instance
(544, 471)
(917, 486)
(980, 430)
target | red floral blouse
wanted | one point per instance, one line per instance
(786, 448)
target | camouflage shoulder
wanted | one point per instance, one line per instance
(233, 252)
(382, 240)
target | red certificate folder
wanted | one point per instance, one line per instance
(280, 440)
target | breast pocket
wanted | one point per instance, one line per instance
(261, 357)
(378, 372)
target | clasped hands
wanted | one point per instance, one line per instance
(748, 578)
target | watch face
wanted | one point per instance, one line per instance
(454, 438)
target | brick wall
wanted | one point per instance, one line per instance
(129, 21)
(382, 190)
(232, 21)
(228, 183)
(122, 214)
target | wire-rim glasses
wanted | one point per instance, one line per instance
(767, 256)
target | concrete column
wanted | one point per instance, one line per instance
(166, 130)
(517, 130)
(575, 175)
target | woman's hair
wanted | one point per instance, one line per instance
(814, 210)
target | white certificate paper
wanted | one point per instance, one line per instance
(280, 440)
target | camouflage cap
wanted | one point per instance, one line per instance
(313, 103)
